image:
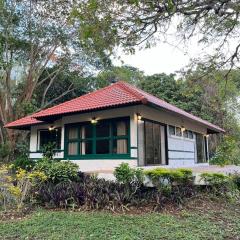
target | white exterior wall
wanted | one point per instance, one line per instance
(177, 147)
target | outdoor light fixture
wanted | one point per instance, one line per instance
(183, 128)
(93, 120)
(139, 117)
(206, 135)
(51, 128)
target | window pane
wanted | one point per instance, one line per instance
(103, 129)
(86, 131)
(120, 146)
(102, 147)
(47, 137)
(86, 147)
(73, 148)
(178, 131)
(171, 130)
(185, 133)
(201, 154)
(190, 134)
(73, 133)
(149, 150)
(120, 128)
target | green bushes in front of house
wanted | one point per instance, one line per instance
(59, 184)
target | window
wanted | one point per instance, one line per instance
(45, 137)
(105, 138)
(178, 132)
(154, 143)
(172, 130)
(190, 134)
(201, 148)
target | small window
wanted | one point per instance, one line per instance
(53, 136)
(103, 129)
(178, 132)
(185, 134)
(120, 128)
(190, 134)
(120, 146)
(102, 147)
(86, 147)
(172, 130)
(86, 131)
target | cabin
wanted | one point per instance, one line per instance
(119, 123)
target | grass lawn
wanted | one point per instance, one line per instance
(191, 223)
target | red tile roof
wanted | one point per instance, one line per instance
(24, 122)
(117, 94)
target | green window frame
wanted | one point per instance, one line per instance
(92, 142)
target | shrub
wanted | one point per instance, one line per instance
(236, 179)
(127, 175)
(23, 162)
(221, 185)
(227, 152)
(15, 190)
(58, 171)
(215, 178)
(48, 150)
(170, 176)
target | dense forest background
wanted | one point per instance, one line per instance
(46, 57)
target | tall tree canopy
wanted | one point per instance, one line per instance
(110, 23)
(37, 44)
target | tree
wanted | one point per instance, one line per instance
(111, 23)
(37, 43)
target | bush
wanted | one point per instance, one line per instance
(236, 179)
(48, 150)
(170, 176)
(23, 162)
(227, 152)
(221, 185)
(58, 171)
(15, 190)
(127, 175)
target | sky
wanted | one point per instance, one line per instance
(158, 59)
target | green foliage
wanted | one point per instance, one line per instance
(48, 150)
(170, 176)
(58, 171)
(219, 184)
(227, 152)
(127, 175)
(215, 178)
(236, 179)
(23, 163)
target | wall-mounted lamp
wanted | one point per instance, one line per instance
(93, 120)
(183, 128)
(206, 135)
(51, 128)
(139, 117)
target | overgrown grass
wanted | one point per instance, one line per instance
(215, 223)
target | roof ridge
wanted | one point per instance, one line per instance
(127, 87)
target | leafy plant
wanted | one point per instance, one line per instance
(48, 150)
(170, 176)
(125, 174)
(227, 152)
(58, 171)
(23, 163)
